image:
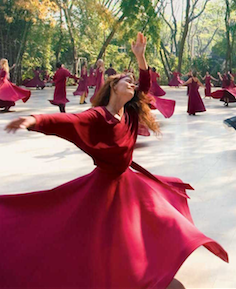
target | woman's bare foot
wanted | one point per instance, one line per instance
(175, 284)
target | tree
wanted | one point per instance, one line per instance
(191, 14)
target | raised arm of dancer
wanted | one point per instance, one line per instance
(213, 78)
(199, 83)
(187, 82)
(10, 68)
(138, 49)
(66, 126)
(220, 76)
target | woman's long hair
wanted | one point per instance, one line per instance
(139, 103)
(4, 64)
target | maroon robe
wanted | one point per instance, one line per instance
(195, 103)
(60, 78)
(175, 81)
(165, 106)
(83, 84)
(99, 82)
(112, 228)
(155, 88)
(36, 81)
(227, 94)
(9, 92)
(208, 86)
(92, 77)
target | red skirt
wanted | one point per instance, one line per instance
(101, 230)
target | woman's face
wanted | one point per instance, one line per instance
(125, 88)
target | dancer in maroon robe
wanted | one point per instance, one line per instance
(189, 75)
(110, 71)
(9, 92)
(175, 81)
(99, 77)
(195, 103)
(165, 106)
(155, 88)
(59, 79)
(82, 88)
(92, 77)
(227, 94)
(208, 79)
(36, 81)
(113, 228)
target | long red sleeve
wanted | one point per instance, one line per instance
(144, 80)
(72, 127)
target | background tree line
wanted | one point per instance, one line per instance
(197, 33)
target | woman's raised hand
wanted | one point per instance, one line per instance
(138, 49)
(139, 46)
(21, 122)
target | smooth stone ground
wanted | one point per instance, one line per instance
(198, 149)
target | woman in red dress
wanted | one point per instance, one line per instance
(175, 81)
(228, 92)
(59, 79)
(165, 106)
(82, 88)
(92, 78)
(208, 79)
(113, 228)
(36, 81)
(9, 92)
(155, 88)
(195, 103)
(99, 77)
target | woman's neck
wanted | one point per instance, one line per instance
(115, 109)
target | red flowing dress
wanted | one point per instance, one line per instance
(208, 86)
(9, 92)
(113, 228)
(155, 88)
(165, 106)
(195, 103)
(59, 79)
(83, 84)
(36, 81)
(175, 81)
(99, 82)
(91, 78)
(227, 94)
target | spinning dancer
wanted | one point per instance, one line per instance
(9, 92)
(59, 79)
(195, 103)
(113, 228)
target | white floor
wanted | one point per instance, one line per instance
(198, 149)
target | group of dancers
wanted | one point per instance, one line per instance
(227, 94)
(112, 228)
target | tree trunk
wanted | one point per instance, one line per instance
(110, 36)
(166, 56)
(72, 39)
(164, 65)
(17, 71)
(228, 62)
(184, 35)
(58, 50)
